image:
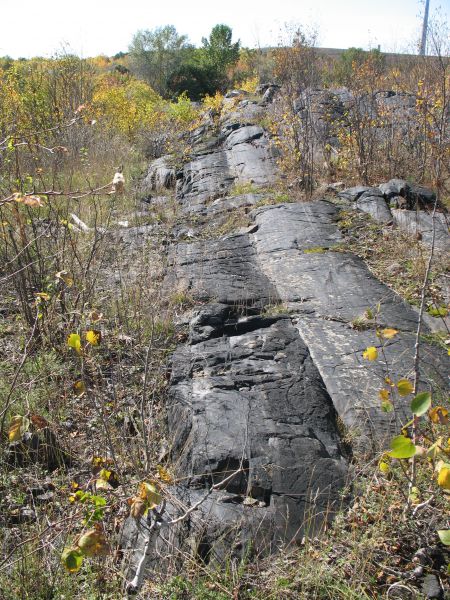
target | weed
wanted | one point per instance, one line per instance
(393, 256)
(315, 250)
(272, 310)
(242, 188)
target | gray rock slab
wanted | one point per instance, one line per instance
(334, 284)
(269, 95)
(352, 194)
(252, 393)
(376, 207)
(160, 176)
(417, 196)
(245, 156)
(221, 270)
(354, 383)
(245, 113)
(394, 187)
(370, 193)
(243, 135)
(421, 195)
(330, 290)
(230, 203)
(422, 222)
(296, 226)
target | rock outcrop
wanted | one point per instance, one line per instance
(409, 206)
(271, 381)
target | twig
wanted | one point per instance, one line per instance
(73, 194)
(422, 505)
(396, 586)
(212, 489)
(144, 397)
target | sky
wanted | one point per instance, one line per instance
(92, 27)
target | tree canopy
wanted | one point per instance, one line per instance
(156, 54)
(171, 65)
(219, 51)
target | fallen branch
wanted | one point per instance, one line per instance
(135, 584)
(81, 224)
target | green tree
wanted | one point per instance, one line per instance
(156, 54)
(219, 52)
(194, 78)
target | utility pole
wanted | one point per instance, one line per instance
(423, 45)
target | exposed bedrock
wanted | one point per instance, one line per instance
(243, 154)
(271, 380)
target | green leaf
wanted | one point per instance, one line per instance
(421, 403)
(402, 447)
(444, 536)
(98, 501)
(72, 559)
(387, 406)
(440, 311)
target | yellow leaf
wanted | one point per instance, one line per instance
(74, 341)
(33, 201)
(137, 508)
(389, 333)
(149, 493)
(439, 414)
(384, 467)
(43, 296)
(18, 425)
(79, 388)
(93, 337)
(164, 475)
(100, 461)
(93, 542)
(444, 478)
(105, 474)
(371, 353)
(65, 277)
(106, 479)
(384, 394)
(101, 484)
(405, 387)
